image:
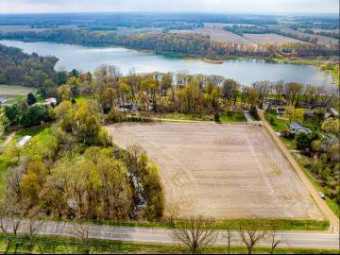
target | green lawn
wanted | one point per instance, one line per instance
(289, 142)
(41, 134)
(60, 245)
(279, 125)
(15, 99)
(81, 99)
(233, 118)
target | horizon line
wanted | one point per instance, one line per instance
(176, 12)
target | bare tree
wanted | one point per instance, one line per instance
(81, 231)
(135, 152)
(4, 227)
(33, 228)
(13, 181)
(10, 223)
(250, 234)
(263, 88)
(197, 234)
(171, 212)
(274, 239)
(230, 236)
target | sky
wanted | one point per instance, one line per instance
(200, 6)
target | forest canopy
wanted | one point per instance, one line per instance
(23, 69)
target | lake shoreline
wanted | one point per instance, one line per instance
(148, 61)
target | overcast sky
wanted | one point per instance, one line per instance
(216, 6)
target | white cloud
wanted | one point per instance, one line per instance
(217, 6)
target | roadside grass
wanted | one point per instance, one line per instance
(182, 116)
(206, 117)
(68, 245)
(265, 224)
(232, 118)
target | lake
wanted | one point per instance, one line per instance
(244, 71)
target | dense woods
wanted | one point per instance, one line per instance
(32, 70)
(78, 173)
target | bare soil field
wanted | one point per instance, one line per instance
(324, 40)
(25, 28)
(218, 35)
(8, 91)
(223, 171)
(270, 39)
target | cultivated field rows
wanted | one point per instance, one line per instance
(220, 35)
(220, 171)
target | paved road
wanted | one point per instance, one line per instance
(323, 206)
(295, 239)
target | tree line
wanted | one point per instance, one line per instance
(77, 172)
(189, 44)
(32, 70)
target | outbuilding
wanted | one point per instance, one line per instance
(298, 128)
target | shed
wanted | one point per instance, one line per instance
(24, 140)
(298, 128)
(50, 101)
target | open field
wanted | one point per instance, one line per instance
(26, 28)
(324, 40)
(8, 91)
(270, 39)
(218, 35)
(232, 169)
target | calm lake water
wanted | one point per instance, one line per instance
(244, 71)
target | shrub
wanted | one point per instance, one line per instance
(217, 117)
(302, 141)
(31, 99)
